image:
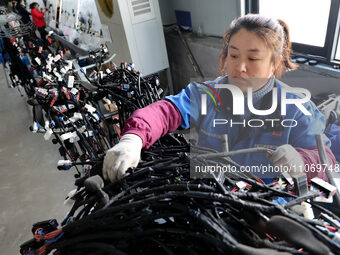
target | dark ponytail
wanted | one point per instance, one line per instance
(287, 65)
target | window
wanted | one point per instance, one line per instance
(337, 52)
(302, 21)
(312, 24)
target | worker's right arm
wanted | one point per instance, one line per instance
(146, 126)
(142, 129)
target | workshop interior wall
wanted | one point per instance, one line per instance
(206, 50)
(201, 13)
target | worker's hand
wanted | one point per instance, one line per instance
(123, 155)
(287, 158)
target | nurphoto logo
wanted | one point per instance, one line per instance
(238, 99)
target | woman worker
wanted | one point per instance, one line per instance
(255, 53)
(39, 21)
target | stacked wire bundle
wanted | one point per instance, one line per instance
(157, 208)
(81, 113)
(78, 110)
(85, 117)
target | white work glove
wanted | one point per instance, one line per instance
(123, 155)
(287, 158)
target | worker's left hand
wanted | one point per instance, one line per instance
(287, 158)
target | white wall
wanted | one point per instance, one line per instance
(119, 44)
(214, 16)
(88, 9)
(68, 9)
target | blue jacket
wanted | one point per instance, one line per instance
(334, 135)
(188, 102)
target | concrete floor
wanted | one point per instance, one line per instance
(31, 187)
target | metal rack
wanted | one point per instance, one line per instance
(10, 25)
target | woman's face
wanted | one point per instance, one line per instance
(249, 61)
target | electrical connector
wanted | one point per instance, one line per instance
(243, 185)
(90, 108)
(288, 178)
(48, 132)
(76, 116)
(308, 212)
(328, 189)
(71, 136)
(57, 58)
(64, 162)
(336, 238)
(70, 81)
(300, 183)
(38, 61)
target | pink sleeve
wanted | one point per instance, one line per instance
(153, 122)
(311, 158)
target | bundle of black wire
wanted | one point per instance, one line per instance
(158, 209)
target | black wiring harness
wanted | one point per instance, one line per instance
(157, 208)
(82, 113)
